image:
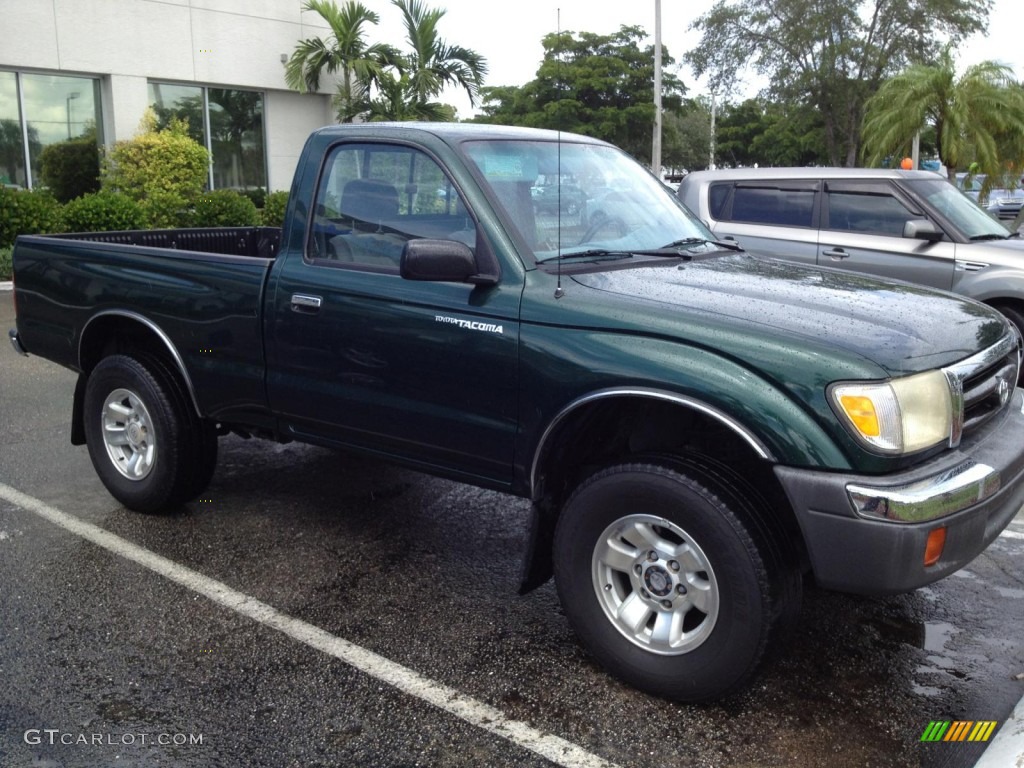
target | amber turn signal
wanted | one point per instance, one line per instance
(933, 549)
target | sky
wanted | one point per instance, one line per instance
(508, 33)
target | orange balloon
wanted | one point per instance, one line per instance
(907, 164)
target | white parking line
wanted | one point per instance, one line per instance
(1007, 748)
(474, 712)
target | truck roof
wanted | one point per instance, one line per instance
(811, 172)
(457, 132)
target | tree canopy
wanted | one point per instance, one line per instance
(977, 118)
(829, 57)
(598, 85)
(376, 81)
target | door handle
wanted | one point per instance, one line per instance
(836, 253)
(302, 302)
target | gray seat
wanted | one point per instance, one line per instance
(369, 205)
(369, 200)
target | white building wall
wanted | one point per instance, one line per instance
(290, 117)
(219, 43)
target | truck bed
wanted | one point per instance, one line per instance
(200, 290)
(229, 241)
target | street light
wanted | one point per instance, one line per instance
(72, 95)
(656, 143)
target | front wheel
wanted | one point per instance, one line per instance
(148, 446)
(667, 585)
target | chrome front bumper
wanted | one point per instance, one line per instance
(868, 534)
(944, 494)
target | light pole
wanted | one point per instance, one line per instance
(71, 96)
(711, 156)
(656, 144)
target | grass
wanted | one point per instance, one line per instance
(5, 263)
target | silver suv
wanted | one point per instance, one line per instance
(907, 225)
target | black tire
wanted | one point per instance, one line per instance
(148, 446)
(672, 589)
(202, 453)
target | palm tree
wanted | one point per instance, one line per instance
(432, 63)
(977, 118)
(396, 102)
(346, 51)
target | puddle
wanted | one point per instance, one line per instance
(1010, 592)
(937, 634)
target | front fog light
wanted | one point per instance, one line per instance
(898, 416)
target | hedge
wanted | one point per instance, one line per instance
(273, 209)
(5, 263)
(103, 212)
(27, 212)
(224, 208)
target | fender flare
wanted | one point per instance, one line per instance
(157, 331)
(655, 394)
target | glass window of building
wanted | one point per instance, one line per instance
(184, 102)
(37, 110)
(228, 122)
(12, 138)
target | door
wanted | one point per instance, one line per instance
(862, 231)
(420, 371)
(769, 217)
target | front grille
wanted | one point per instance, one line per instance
(983, 385)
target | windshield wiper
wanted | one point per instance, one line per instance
(691, 241)
(672, 250)
(596, 254)
(990, 236)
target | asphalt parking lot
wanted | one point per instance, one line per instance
(315, 609)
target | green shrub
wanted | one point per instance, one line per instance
(71, 168)
(258, 195)
(273, 209)
(103, 212)
(166, 162)
(5, 263)
(27, 212)
(224, 208)
(166, 210)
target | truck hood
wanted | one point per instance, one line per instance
(899, 327)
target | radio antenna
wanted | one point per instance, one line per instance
(559, 291)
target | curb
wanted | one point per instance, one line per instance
(6, 286)
(1007, 748)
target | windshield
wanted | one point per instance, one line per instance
(971, 221)
(566, 198)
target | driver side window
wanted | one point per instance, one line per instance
(373, 198)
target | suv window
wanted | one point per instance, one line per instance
(871, 210)
(718, 195)
(781, 206)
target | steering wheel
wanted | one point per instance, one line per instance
(611, 224)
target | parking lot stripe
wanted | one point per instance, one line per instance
(476, 713)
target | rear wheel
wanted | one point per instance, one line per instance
(671, 588)
(148, 446)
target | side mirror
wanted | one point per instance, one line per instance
(922, 229)
(443, 261)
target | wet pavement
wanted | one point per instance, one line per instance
(105, 662)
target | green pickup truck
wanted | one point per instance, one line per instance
(698, 430)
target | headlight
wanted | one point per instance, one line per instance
(898, 416)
